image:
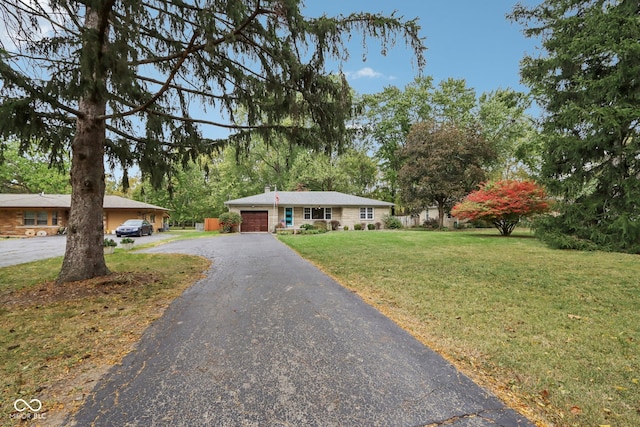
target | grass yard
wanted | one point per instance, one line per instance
(56, 341)
(554, 333)
(178, 234)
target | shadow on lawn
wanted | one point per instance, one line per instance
(498, 235)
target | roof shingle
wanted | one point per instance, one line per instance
(64, 201)
(307, 198)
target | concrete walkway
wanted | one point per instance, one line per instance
(266, 339)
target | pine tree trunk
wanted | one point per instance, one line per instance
(84, 254)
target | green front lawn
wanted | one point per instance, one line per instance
(554, 333)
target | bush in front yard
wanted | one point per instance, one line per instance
(391, 222)
(315, 228)
(312, 231)
(229, 221)
(320, 225)
(430, 223)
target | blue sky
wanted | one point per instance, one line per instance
(465, 39)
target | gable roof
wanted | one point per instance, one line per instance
(64, 201)
(307, 198)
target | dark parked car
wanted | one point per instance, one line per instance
(134, 227)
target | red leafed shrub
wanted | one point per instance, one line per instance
(503, 203)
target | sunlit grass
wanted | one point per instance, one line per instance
(554, 333)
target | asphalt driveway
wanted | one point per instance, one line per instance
(266, 339)
(26, 249)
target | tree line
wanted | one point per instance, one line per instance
(484, 133)
(133, 82)
(120, 80)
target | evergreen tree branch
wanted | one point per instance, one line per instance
(229, 36)
(164, 87)
(181, 88)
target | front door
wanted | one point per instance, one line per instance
(288, 217)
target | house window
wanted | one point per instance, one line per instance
(29, 218)
(317, 213)
(366, 213)
(42, 218)
(54, 218)
(35, 218)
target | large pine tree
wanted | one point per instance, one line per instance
(135, 81)
(587, 80)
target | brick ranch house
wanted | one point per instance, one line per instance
(263, 212)
(44, 214)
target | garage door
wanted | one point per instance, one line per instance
(253, 221)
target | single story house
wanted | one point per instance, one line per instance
(44, 214)
(290, 209)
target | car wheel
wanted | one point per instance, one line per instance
(117, 235)
(140, 233)
(150, 231)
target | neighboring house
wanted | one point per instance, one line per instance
(291, 209)
(45, 214)
(430, 214)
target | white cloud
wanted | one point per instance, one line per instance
(367, 72)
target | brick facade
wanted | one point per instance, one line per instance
(12, 222)
(44, 215)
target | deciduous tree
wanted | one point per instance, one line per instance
(587, 81)
(442, 163)
(187, 194)
(387, 120)
(503, 204)
(137, 81)
(352, 172)
(31, 172)
(390, 115)
(511, 131)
